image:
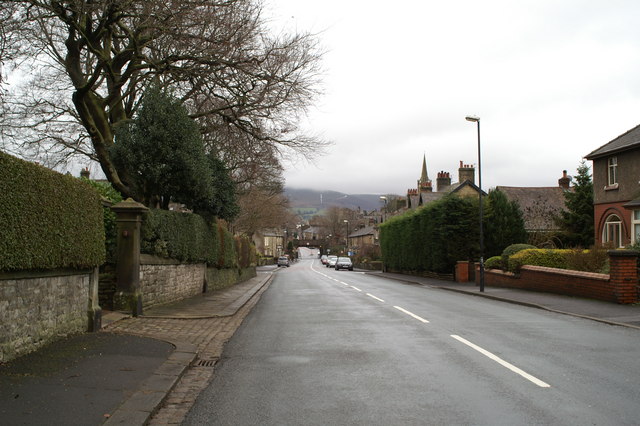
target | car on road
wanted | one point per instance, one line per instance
(344, 263)
(284, 261)
(324, 259)
(331, 261)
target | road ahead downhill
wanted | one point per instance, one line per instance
(346, 348)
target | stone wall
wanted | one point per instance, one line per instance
(166, 280)
(37, 308)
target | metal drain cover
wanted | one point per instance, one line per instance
(206, 363)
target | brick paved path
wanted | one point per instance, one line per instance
(208, 334)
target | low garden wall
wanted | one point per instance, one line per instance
(619, 286)
(37, 308)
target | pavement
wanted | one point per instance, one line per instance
(150, 369)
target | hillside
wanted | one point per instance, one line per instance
(312, 200)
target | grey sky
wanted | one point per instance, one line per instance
(551, 81)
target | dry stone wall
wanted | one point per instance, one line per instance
(35, 310)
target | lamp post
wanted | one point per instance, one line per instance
(383, 198)
(347, 236)
(476, 120)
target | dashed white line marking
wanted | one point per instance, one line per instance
(411, 314)
(374, 297)
(503, 362)
(342, 282)
(355, 288)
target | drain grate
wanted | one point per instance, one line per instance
(206, 363)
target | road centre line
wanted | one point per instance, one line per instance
(411, 314)
(502, 362)
(355, 288)
(342, 282)
(377, 298)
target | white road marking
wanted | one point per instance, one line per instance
(355, 288)
(411, 314)
(502, 362)
(377, 298)
(342, 282)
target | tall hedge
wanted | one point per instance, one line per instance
(190, 238)
(431, 238)
(47, 220)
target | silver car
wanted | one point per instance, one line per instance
(344, 263)
(331, 261)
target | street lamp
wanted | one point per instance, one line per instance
(476, 120)
(347, 237)
(383, 198)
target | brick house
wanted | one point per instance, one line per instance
(616, 189)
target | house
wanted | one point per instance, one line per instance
(616, 189)
(269, 242)
(363, 237)
(540, 206)
(425, 194)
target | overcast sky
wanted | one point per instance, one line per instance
(551, 80)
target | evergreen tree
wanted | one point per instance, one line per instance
(503, 224)
(577, 222)
(162, 152)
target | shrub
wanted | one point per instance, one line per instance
(593, 260)
(47, 220)
(511, 250)
(538, 257)
(494, 262)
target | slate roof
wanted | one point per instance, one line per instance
(539, 205)
(629, 139)
(367, 230)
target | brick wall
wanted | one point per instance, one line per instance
(36, 309)
(620, 286)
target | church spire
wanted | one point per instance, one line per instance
(424, 178)
(424, 184)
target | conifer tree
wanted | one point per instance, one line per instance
(503, 223)
(577, 222)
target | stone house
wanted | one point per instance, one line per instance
(363, 237)
(425, 194)
(270, 243)
(616, 189)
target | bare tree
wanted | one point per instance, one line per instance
(87, 63)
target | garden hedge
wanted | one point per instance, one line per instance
(431, 238)
(188, 237)
(47, 220)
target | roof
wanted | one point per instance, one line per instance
(367, 230)
(539, 205)
(459, 186)
(628, 140)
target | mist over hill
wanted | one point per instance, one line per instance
(320, 200)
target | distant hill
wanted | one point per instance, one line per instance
(309, 202)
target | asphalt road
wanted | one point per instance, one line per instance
(337, 347)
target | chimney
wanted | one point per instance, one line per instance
(565, 181)
(84, 173)
(443, 181)
(466, 172)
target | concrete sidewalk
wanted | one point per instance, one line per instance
(609, 313)
(125, 373)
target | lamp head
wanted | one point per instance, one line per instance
(473, 118)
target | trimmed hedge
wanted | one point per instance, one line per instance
(432, 238)
(47, 220)
(538, 257)
(188, 237)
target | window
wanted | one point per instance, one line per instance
(612, 232)
(613, 170)
(635, 226)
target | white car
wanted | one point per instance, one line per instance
(331, 261)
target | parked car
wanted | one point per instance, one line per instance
(284, 261)
(331, 261)
(324, 259)
(344, 263)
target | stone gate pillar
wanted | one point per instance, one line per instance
(128, 219)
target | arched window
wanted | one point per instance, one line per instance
(612, 232)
